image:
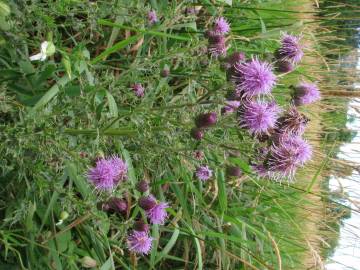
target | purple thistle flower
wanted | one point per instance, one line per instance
(154, 211)
(158, 214)
(141, 226)
(231, 106)
(203, 173)
(197, 133)
(138, 89)
(217, 46)
(254, 77)
(292, 122)
(290, 50)
(117, 205)
(152, 17)
(306, 93)
(259, 117)
(261, 170)
(221, 26)
(147, 202)
(142, 186)
(139, 242)
(206, 120)
(284, 66)
(107, 173)
(288, 155)
(230, 61)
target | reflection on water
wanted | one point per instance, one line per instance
(347, 253)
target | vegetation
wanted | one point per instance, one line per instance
(58, 117)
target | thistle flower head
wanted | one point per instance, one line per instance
(230, 106)
(290, 49)
(259, 117)
(142, 186)
(292, 122)
(158, 214)
(254, 77)
(221, 26)
(152, 17)
(217, 45)
(206, 120)
(139, 242)
(306, 93)
(107, 173)
(288, 155)
(138, 89)
(154, 211)
(203, 173)
(284, 66)
(198, 154)
(117, 205)
(197, 133)
(141, 226)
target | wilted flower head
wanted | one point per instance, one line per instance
(221, 26)
(254, 77)
(286, 156)
(199, 155)
(139, 242)
(152, 18)
(217, 45)
(292, 122)
(259, 117)
(138, 89)
(107, 173)
(290, 49)
(231, 106)
(203, 173)
(154, 211)
(306, 93)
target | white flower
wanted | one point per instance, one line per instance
(47, 49)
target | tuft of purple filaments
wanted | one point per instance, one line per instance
(152, 17)
(138, 89)
(139, 242)
(254, 77)
(292, 122)
(286, 156)
(107, 173)
(259, 117)
(221, 26)
(290, 50)
(306, 93)
(157, 212)
(203, 173)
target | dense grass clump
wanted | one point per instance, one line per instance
(154, 135)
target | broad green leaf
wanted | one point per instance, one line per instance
(112, 105)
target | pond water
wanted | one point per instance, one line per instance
(347, 252)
